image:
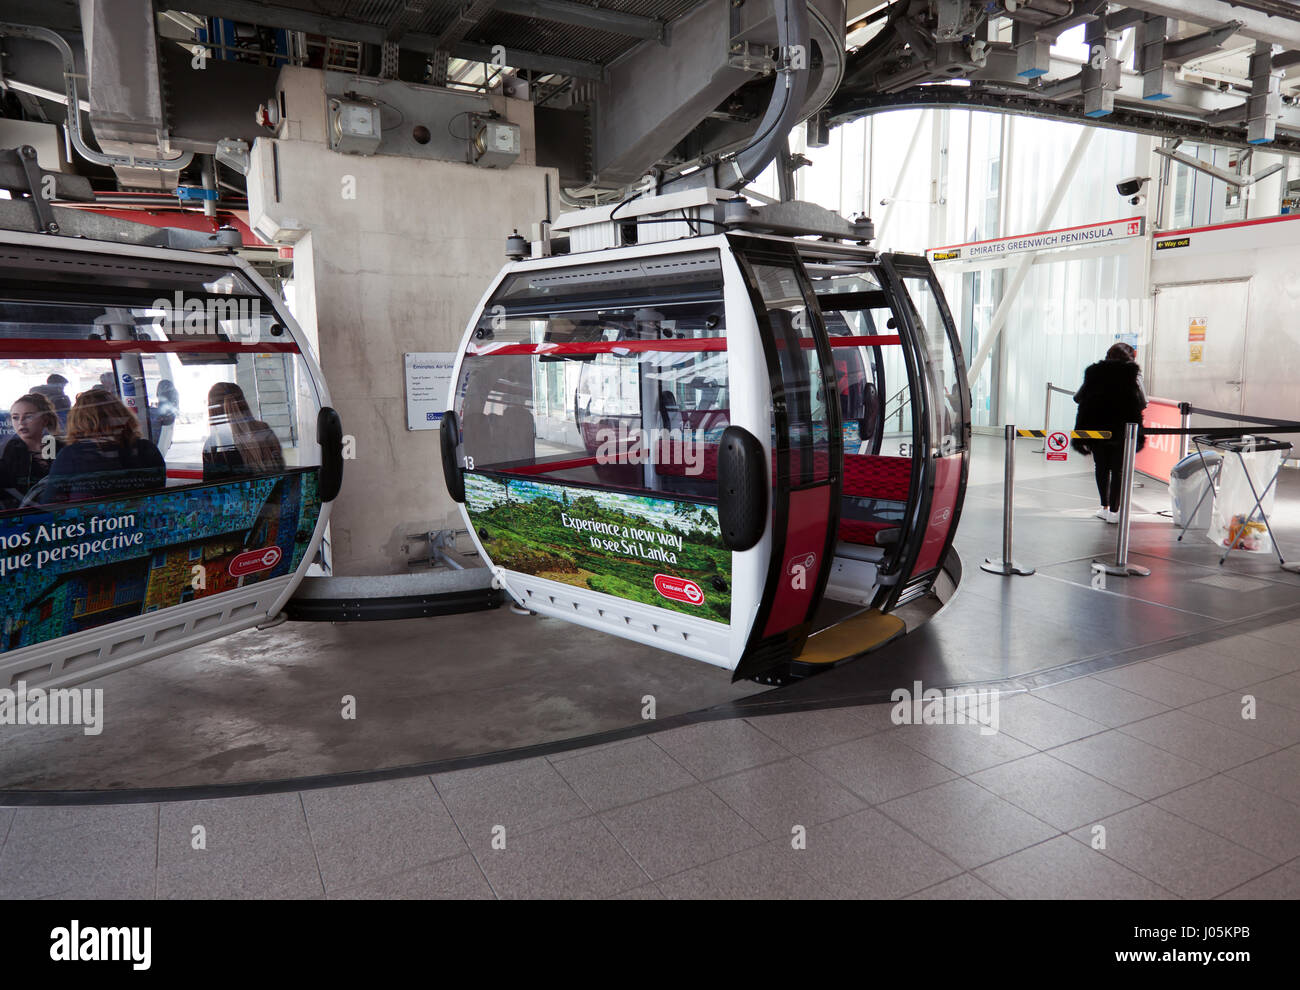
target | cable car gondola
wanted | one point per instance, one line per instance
(692, 442)
(196, 356)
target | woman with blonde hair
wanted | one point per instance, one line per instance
(105, 454)
(23, 461)
(238, 445)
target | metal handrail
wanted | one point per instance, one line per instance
(901, 406)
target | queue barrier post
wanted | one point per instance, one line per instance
(1121, 567)
(1006, 565)
(1047, 416)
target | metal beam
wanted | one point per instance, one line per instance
(1186, 49)
(1157, 80)
(580, 15)
(270, 15)
(1255, 25)
(1265, 101)
(517, 59)
(1133, 116)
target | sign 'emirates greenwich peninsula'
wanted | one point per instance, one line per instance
(1047, 240)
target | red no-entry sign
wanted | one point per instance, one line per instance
(1057, 446)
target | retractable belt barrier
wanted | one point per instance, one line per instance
(1006, 565)
(1072, 434)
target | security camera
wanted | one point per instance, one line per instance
(1137, 200)
(1130, 187)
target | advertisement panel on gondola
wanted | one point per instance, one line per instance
(655, 551)
(76, 567)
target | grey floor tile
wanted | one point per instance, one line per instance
(674, 832)
(1282, 884)
(1064, 869)
(879, 767)
(1042, 724)
(356, 842)
(110, 890)
(1099, 701)
(776, 797)
(521, 796)
(6, 819)
(231, 826)
(257, 846)
(1055, 792)
(714, 749)
(1262, 822)
(867, 855)
(74, 861)
(968, 824)
(570, 754)
(609, 777)
(800, 732)
(1269, 646)
(344, 808)
(1160, 684)
(1270, 722)
(1130, 764)
(963, 749)
(1206, 663)
(878, 717)
(1285, 633)
(648, 892)
(35, 821)
(456, 879)
(1179, 856)
(1281, 690)
(762, 872)
(963, 888)
(1278, 773)
(1195, 739)
(579, 859)
(277, 872)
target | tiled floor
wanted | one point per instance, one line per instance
(1177, 777)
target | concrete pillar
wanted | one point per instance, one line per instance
(392, 255)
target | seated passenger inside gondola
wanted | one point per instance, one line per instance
(105, 455)
(238, 445)
(23, 460)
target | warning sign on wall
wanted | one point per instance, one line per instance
(1197, 354)
(1057, 446)
(1196, 328)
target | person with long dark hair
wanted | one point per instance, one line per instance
(239, 445)
(1111, 396)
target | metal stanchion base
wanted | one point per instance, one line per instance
(995, 565)
(1122, 570)
(1293, 567)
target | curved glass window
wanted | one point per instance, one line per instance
(612, 374)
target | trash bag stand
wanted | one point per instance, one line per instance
(1239, 446)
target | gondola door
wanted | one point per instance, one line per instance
(806, 452)
(942, 423)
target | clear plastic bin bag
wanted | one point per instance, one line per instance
(1234, 502)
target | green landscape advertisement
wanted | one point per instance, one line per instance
(655, 551)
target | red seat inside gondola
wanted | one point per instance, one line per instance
(875, 491)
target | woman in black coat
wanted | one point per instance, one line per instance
(1111, 396)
